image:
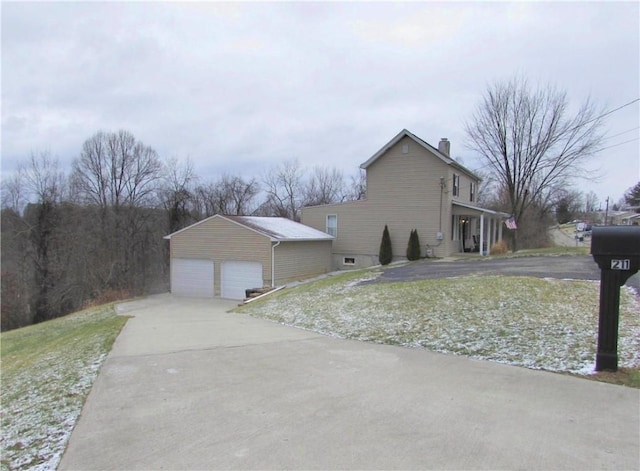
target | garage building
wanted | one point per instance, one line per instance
(225, 255)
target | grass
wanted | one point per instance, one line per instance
(47, 372)
(537, 323)
(624, 377)
(558, 250)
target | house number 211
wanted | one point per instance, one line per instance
(620, 264)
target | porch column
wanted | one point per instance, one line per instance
(500, 229)
(481, 234)
(494, 230)
(494, 234)
(488, 234)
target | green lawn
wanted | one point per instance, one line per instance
(47, 372)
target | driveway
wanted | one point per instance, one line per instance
(191, 386)
(576, 267)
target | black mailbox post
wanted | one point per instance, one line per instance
(616, 249)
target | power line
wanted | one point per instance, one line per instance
(619, 144)
(623, 132)
(614, 110)
(606, 113)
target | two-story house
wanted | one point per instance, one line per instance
(410, 185)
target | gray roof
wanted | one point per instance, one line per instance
(280, 228)
(276, 228)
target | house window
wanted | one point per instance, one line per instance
(349, 261)
(472, 193)
(332, 224)
(456, 184)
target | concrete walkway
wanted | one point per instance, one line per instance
(189, 386)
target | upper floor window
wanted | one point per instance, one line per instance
(456, 185)
(472, 192)
(332, 224)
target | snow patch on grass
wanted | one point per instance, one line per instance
(47, 372)
(536, 323)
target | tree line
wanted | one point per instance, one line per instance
(95, 233)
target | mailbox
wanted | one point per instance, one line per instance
(616, 250)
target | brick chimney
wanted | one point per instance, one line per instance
(444, 146)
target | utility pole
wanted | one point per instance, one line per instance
(606, 212)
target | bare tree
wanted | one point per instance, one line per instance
(45, 183)
(357, 187)
(324, 186)
(206, 200)
(283, 187)
(13, 192)
(230, 194)
(121, 176)
(592, 203)
(236, 195)
(16, 279)
(177, 193)
(568, 206)
(116, 170)
(530, 142)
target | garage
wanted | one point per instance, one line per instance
(192, 278)
(222, 256)
(238, 276)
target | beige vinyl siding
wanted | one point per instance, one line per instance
(299, 260)
(465, 190)
(405, 191)
(220, 240)
(352, 218)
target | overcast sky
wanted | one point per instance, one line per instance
(240, 87)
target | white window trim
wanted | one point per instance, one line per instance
(344, 261)
(327, 224)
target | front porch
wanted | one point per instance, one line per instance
(475, 229)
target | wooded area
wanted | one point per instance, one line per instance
(95, 234)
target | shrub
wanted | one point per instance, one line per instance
(413, 247)
(386, 253)
(499, 248)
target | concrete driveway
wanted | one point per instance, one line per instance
(190, 386)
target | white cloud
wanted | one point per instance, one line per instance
(238, 86)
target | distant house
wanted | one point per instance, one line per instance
(628, 216)
(410, 185)
(225, 255)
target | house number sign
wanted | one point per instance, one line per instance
(624, 264)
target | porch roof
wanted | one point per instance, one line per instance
(481, 210)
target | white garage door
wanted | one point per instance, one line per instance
(193, 278)
(239, 276)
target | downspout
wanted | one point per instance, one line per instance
(441, 192)
(273, 263)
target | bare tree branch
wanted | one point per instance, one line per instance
(530, 143)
